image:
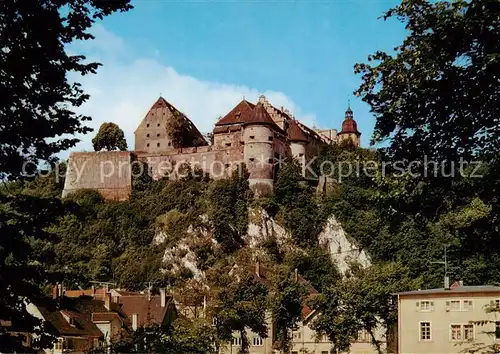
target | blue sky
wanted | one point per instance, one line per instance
(204, 56)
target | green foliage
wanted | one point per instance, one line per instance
(298, 206)
(228, 209)
(361, 302)
(286, 306)
(182, 132)
(38, 121)
(241, 304)
(109, 137)
(35, 82)
(182, 337)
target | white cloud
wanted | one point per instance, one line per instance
(123, 91)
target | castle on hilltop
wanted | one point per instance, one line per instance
(257, 134)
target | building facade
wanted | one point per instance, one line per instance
(259, 135)
(447, 320)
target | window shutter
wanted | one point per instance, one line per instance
(432, 304)
(418, 304)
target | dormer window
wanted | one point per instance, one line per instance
(70, 319)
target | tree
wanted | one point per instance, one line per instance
(286, 303)
(359, 302)
(241, 304)
(437, 96)
(36, 122)
(109, 137)
(33, 79)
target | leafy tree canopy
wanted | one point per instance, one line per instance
(109, 137)
(437, 96)
(33, 79)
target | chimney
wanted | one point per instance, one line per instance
(257, 268)
(447, 283)
(107, 301)
(162, 297)
(135, 318)
(296, 275)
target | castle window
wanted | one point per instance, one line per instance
(169, 143)
(270, 138)
(158, 124)
(158, 145)
(252, 159)
(228, 144)
(301, 155)
(147, 125)
(157, 134)
(147, 135)
(252, 136)
(270, 160)
(227, 165)
(147, 144)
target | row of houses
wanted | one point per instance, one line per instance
(452, 319)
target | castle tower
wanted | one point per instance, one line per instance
(298, 142)
(258, 153)
(349, 129)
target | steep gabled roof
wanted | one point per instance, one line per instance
(259, 115)
(294, 132)
(149, 310)
(80, 311)
(238, 114)
(194, 134)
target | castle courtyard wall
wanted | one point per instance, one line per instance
(216, 163)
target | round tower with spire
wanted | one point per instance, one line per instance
(349, 129)
(258, 153)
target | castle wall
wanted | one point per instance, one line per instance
(228, 137)
(217, 163)
(108, 172)
(298, 150)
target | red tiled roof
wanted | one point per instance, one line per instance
(294, 132)
(259, 115)
(80, 310)
(238, 114)
(104, 316)
(349, 125)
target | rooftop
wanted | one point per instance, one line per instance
(454, 290)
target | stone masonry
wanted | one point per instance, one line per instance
(258, 134)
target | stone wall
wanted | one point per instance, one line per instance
(108, 172)
(217, 163)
